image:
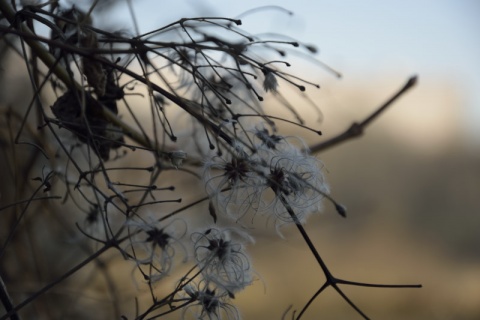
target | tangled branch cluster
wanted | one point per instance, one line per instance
(204, 81)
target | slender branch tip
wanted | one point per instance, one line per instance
(411, 82)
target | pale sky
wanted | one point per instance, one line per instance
(436, 39)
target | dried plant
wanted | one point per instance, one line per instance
(84, 146)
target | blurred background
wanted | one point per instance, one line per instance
(411, 183)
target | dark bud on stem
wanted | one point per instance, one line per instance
(341, 210)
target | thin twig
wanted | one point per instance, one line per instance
(357, 128)
(52, 284)
(7, 301)
(330, 279)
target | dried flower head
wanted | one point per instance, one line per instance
(209, 302)
(233, 183)
(298, 179)
(277, 169)
(220, 254)
(153, 246)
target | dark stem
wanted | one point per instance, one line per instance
(357, 128)
(6, 301)
(307, 239)
(323, 287)
(52, 284)
(330, 279)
